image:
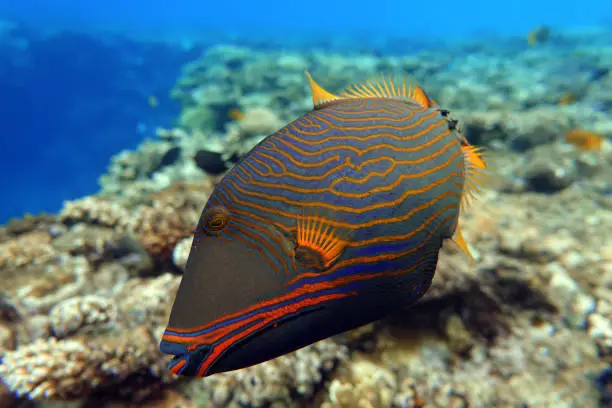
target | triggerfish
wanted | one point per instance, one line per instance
(332, 222)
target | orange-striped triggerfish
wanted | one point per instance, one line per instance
(330, 223)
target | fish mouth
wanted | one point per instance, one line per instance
(176, 349)
(185, 363)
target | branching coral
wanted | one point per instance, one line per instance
(181, 252)
(93, 210)
(371, 387)
(159, 221)
(81, 312)
(159, 228)
(31, 247)
(68, 369)
(170, 215)
(287, 381)
(148, 300)
(256, 124)
(60, 281)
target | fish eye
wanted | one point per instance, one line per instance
(215, 219)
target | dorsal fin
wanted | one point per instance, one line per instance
(475, 173)
(387, 87)
(419, 95)
(383, 87)
(319, 95)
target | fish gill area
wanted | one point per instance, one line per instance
(86, 293)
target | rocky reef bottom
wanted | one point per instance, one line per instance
(86, 295)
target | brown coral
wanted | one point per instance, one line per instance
(367, 385)
(80, 312)
(94, 210)
(159, 228)
(31, 247)
(170, 215)
(68, 369)
(59, 282)
(148, 300)
(287, 381)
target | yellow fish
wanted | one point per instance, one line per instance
(584, 139)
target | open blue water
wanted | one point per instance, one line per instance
(75, 76)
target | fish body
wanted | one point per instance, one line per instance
(584, 139)
(567, 98)
(330, 223)
(538, 35)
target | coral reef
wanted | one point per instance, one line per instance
(52, 369)
(72, 315)
(86, 293)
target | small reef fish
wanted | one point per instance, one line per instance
(584, 139)
(235, 114)
(538, 35)
(567, 98)
(153, 101)
(330, 223)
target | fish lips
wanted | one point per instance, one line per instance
(185, 363)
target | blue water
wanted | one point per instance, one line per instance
(75, 76)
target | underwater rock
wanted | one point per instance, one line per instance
(256, 124)
(600, 329)
(93, 210)
(259, 121)
(71, 369)
(519, 131)
(7, 398)
(29, 223)
(28, 248)
(181, 253)
(578, 305)
(7, 339)
(75, 314)
(554, 167)
(148, 300)
(599, 73)
(362, 384)
(543, 176)
(152, 157)
(197, 118)
(55, 283)
(288, 381)
(160, 228)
